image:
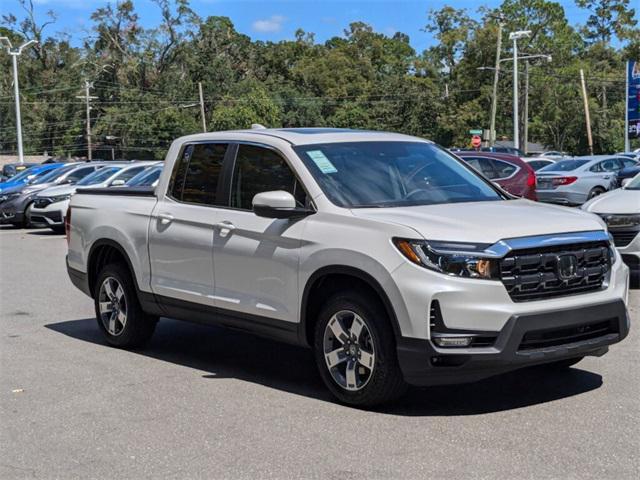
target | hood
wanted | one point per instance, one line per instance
(616, 201)
(486, 222)
(35, 188)
(13, 189)
(59, 190)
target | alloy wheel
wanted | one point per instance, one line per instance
(349, 350)
(113, 306)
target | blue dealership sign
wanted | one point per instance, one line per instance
(633, 99)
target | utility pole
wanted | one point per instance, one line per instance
(87, 98)
(204, 120)
(15, 53)
(494, 95)
(525, 136)
(627, 146)
(586, 112)
(515, 36)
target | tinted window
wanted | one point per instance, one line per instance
(609, 165)
(538, 164)
(99, 176)
(259, 170)
(629, 163)
(129, 173)
(79, 174)
(483, 165)
(203, 173)
(54, 174)
(564, 166)
(503, 169)
(361, 174)
(179, 170)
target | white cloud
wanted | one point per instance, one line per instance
(269, 25)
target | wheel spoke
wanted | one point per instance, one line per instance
(338, 330)
(119, 293)
(335, 357)
(108, 290)
(350, 375)
(106, 307)
(122, 318)
(366, 359)
(112, 323)
(356, 327)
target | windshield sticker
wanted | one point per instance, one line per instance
(323, 163)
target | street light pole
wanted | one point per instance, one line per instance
(515, 36)
(494, 96)
(15, 53)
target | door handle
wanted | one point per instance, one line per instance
(165, 218)
(225, 228)
(607, 177)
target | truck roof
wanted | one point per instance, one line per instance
(307, 136)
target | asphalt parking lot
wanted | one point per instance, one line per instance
(207, 403)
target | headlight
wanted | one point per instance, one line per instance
(8, 196)
(622, 221)
(60, 198)
(450, 258)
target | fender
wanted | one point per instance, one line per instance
(147, 300)
(345, 270)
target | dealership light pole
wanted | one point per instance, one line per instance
(15, 53)
(515, 36)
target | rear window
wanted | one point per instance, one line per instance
(564, 166)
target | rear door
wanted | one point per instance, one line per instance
(182, 225)
(256, 258)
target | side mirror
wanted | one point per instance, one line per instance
(278, 204)
(117, 183)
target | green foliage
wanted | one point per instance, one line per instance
(145, 80)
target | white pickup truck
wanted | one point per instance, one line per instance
(391, 258)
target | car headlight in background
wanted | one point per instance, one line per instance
(614, 221)
(8, 196)
(60, 198)
(450, 258)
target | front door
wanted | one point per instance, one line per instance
(182, 226)
(256, 258)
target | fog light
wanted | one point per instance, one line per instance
(453, 341)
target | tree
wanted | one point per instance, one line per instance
(608, 18)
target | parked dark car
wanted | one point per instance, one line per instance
(509, 171)
(626, 173)
(502, 149)
(11, 169)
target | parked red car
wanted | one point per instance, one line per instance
(509, 171)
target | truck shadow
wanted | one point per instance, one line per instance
(229, 354)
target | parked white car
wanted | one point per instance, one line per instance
(620, 209)
(50, 205)
(574, 181)
(395, 261)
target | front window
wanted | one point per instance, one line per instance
(392, 174)
(634, 184)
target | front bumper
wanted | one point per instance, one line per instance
(50, 216)
(423, 363)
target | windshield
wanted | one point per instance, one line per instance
(634, 184)
(22, 175)
(99, 176)
(564, 166)
(146, 178)
(392, 174)
(52, 176)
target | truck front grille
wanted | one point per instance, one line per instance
(566, 335)
(555, 271)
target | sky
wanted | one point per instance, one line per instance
(278, 19)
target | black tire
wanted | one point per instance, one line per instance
(27, 219)
(139, 326)
(562, 364)
(595, 191)
(385, 382)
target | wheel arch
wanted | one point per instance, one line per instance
(103, 252)
(312, 296)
